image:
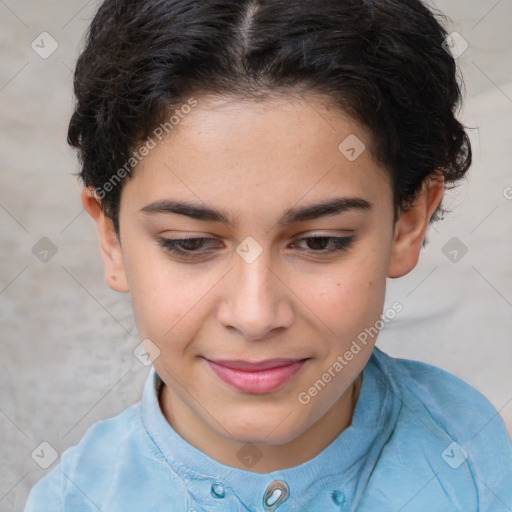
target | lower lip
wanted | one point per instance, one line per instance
(262, 381)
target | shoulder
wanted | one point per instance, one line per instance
(103, 439)
(102, 460)
(452, 431)
(452, 402)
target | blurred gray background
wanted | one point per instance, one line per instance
(67, 340)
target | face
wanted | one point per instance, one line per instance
(269, 272)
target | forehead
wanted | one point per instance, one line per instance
(279, 151)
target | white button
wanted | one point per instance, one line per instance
(276, 493)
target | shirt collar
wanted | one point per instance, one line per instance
(332, 480)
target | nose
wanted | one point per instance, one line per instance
(256, 299)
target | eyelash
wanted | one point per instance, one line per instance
(341, 244)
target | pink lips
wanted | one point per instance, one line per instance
(262, 377)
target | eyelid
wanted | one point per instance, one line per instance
(348, 233)
(340, 233)
(340, 244)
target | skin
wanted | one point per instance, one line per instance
(255, 160)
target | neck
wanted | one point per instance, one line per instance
(273, 457)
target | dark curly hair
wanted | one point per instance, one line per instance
(382, 62)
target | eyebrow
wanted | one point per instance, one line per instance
(291, 216)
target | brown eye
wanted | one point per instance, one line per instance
(187, 247)
(192, 247)
(318, 244)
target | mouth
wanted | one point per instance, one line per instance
(256, 377)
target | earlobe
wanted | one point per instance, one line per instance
(412, 226)
(110, 247)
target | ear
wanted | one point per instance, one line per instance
(111, 251)
(412, 226)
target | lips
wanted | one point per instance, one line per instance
(256, 377)
(256, 366)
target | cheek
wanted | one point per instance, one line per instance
(170, 302)
(347, 299)
(163, 309)
(164, 299)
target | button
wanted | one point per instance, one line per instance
(217, 490)
(276, 493)
(338, 498)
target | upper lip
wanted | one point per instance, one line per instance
(253, 366)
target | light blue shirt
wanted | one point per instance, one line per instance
(421, 440)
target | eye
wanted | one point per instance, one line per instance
(338, 243)
(184, 246)
(194, 247)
